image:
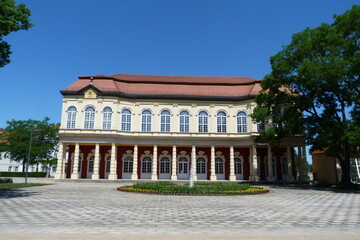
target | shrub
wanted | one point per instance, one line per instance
(6, 180)
(22, 174)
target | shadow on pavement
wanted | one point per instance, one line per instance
(308, 187)
(16, 193)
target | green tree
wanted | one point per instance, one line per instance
(15, 140)
(314, 89)
(12, 19)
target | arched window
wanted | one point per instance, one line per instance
(71, 117)
(203, 121)
(238, 166)
(219, 166)
(125, 120)
(165, 121)
(89, 118)
(200, 166)
(146, 121)
(91, 164)
(146, 165)
(184, 121)
(108, 164)
(107, 115)
(128, 164)
(221, 122)
(241, 122)
(165, 165)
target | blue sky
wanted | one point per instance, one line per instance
(189, 37)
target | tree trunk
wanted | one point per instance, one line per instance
(345, 171)
(24, 165)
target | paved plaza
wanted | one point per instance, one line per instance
(95, 210)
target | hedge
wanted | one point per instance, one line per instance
(6, 180)
(22, 174)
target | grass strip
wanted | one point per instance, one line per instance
(5, 186)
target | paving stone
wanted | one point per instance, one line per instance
(96, 207)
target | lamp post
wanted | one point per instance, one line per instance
(28, 159)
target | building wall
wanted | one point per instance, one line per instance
(242, 142)
(325, 169)
(174, 106)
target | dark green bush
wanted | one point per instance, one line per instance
(6, 180)
(22, 174)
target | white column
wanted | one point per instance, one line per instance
(290, 177)
(254, 163)
(173, 164)
(271, 177)
(212, 165)
(251, 165)
(193, 163)
(154, 175)
(134, 175)
(303, 177)
(232, 176)
(113, 163)
(96, 174)
(75, 173)
(60, 173)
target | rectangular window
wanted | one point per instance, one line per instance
(9, 169)
(91, 166)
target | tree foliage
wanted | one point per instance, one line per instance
(12, 19)
(314, 89)
(15, 140)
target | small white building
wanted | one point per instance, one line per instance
(9, 165)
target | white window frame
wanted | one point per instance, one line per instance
(221, 127)
(71, 117)
(165, 121)
(89, 118)
(185, 126)
(242, 127)
(127, 115)
(107, 118)
(201, 126)
(148, 124)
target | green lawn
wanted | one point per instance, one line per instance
(19, 185)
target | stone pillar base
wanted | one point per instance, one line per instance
(173, 177)
(232, 178)
(254, 178)
(58, 176)
(74, 176)
(112, 177)
(95, 177)
(134, 177)
(213, 178)
(154, 177)
(270, 178)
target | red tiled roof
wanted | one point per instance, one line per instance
(168, 86)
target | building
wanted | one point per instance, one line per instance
(168, 127)
(327, 170)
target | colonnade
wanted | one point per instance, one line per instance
(253, 163)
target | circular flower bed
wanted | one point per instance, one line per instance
(199, 188)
